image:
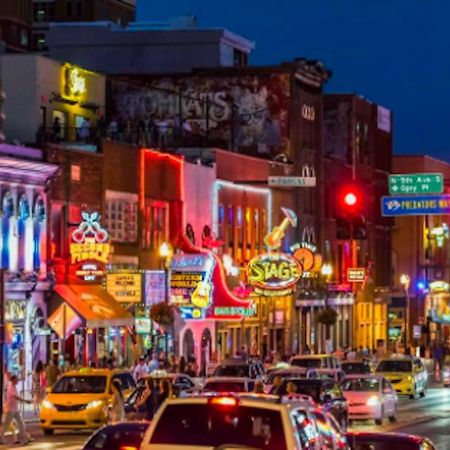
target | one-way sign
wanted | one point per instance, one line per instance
(282, 181)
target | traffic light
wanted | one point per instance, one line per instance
(342, 229)
(359, 228)
(350, 199)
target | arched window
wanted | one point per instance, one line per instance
(24, 215)
(7, 213)
(38, 230)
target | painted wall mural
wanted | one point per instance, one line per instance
(249, 111)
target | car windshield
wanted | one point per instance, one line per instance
(224, 386)
(383, 443)
(214, 425)
(394, 366)
(311, 363)
(115, 438)
(361, 385)
(355, 368)
(80, 385)
(232, 371)
(303, 387)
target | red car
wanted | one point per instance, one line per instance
(387, 441)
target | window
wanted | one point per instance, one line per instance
(230, 226)
(305, 429)
(75, 172)
(256, 230)
(221, 218)
(39, 42)
(156, 228)
(121, 216)
(24, 37)
(126, 381)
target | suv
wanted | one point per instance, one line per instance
(325, 393)
(238, 367)
(315, 361)
(261, 421)
(407, 375)
(80, 399)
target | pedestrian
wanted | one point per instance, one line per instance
(165, 392)
(141, 370)
(259, 387)
(118, 403)
(307, 350)
(56, 129)
(52, 372)
(85, 130)
(12, 412)
(38, 381)
(182, 364)
(190, 370)
(277, 385)
(154, 363)
(291, 388)
(148, 400)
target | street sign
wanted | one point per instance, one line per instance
(415, 206)
(282, 181)
(356, 274)
(416, 183)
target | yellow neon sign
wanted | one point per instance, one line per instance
(75, 82)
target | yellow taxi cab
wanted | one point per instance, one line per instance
(80, 399)
(407, 375)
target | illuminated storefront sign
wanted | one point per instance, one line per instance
(356, 274)
(89, 249)
(155, 282)
(75, 82)
(142, 325)
(273, 271)
(125, 287)
(308, 257)
(439, 286)
(235, 311)
(190, 284)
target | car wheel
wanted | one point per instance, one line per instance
(393, 418)
(414, 393)
(422, 393)
(48, 431)
(379, 421)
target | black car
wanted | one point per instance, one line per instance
(355, 367)
(118, 436)
(362, 440)
(326, 393)
(239, 367)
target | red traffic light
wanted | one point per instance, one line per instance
(351, 199)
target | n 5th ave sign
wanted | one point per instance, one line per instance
(416, 183)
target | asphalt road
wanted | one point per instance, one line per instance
(429, 416)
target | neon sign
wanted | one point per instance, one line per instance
(75, 82)
(89, 249)
(307, 255)
(275, 271)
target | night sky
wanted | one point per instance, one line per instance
(393, 52)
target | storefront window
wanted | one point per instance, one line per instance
(39, 227)
(8, 211)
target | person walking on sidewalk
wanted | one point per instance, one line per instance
(12, 412)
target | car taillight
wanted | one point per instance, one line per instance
(224, 401)
(128, 447)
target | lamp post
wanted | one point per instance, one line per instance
(405, 281)
(326, 271)
(166, 253)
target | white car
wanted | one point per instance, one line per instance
(370, 397)
(315, 361)
(230, 422)
(228, 384)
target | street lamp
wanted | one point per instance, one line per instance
(166, 253)
(405, 281)
(327, 271)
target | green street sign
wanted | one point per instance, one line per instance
(416, 183)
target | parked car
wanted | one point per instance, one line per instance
(446, 376)
(231, 422)
(355, 367)
(370, 397)
(228, 384)
(124, 435)
(239, 367)
(315, 361)
(80, 399)
(407, 375)
(362, 440)
(336, 375)
(325, 393)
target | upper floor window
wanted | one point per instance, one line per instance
(121, 216)
(156, 224)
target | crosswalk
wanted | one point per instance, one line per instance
(49, 445)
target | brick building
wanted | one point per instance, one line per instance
(15, 25)
(358, 153)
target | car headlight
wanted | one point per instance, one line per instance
(46, 404)
(94, 404)
(373, 401)
(446, 373)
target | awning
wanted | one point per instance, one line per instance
(94, 305)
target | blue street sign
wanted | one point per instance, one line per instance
(415, 205)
